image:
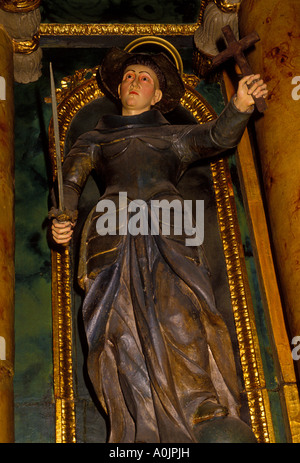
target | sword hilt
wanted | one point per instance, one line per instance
(63, 216)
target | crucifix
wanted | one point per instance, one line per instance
(235, 49)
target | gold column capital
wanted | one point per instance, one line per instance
(19, 6)
(228, 6)
(21, 19)
(26, 46)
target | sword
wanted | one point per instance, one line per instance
(57, 144)
(61, 214)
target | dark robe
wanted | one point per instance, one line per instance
(158, 347)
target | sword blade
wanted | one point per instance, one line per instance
(57, 142)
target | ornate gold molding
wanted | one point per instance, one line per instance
(62, 348)
(123, 29)
(27, 46)
(227, 6)
(203, 5)
(91, 30)
(251, 363)
(19, 6)
(77, 91)
(21, 20)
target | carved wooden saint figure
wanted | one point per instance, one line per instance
(160, 356)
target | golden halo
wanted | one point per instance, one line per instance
(150, 40)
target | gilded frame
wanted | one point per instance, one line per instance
(48, 29)
(90, 30)
(75, 92)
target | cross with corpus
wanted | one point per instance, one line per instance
(235, 50)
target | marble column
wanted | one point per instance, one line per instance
(6, 239)
(277, 58)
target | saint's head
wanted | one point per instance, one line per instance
(141, 81)
(139, 89)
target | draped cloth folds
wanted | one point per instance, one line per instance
(150, 343)
(158, 347)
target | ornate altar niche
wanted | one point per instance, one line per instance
(232, 285)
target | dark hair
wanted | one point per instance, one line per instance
(147, 61)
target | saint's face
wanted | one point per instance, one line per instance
(139, 89)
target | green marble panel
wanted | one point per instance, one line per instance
(33, 326)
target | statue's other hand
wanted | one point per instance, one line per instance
(248, 86)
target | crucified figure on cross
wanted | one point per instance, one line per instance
(235, 50)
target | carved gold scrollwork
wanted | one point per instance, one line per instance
(251, 363)
(19, 6)
(62, 348)
(116, 29)
(21, 19)
(228, 6)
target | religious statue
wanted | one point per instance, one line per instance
(160, 356)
